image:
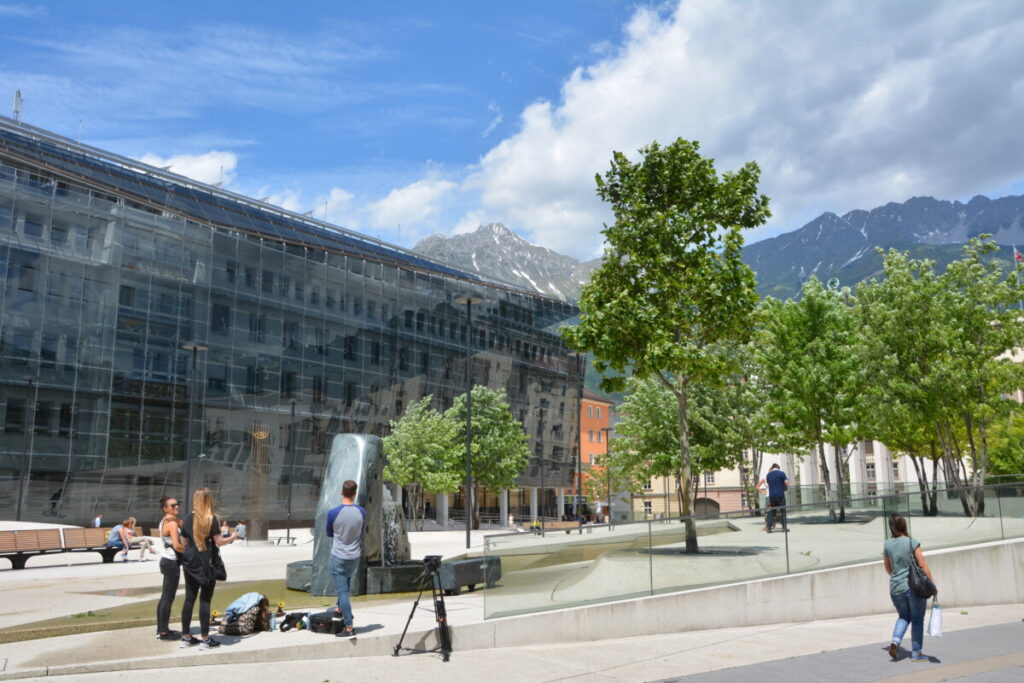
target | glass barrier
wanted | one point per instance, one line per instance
(601, 563)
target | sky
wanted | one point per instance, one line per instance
(400, 119)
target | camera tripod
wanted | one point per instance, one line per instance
(431, 569)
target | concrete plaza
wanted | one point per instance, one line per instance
(73, 583)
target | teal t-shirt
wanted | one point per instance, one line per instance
(900, 553)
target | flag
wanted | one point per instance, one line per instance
(1017, 255)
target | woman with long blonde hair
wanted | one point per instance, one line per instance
(200, 533)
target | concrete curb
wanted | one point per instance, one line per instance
(984, 574)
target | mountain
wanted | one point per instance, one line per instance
(829, 246)
(496, 252)
(843, 247)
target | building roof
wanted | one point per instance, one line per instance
(207, 204)
(589, 395)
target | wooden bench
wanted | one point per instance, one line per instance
(18, 546)
(78, 540)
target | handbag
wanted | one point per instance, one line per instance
(220, 572)
(935, 622)
(920, 584)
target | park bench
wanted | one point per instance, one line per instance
(17, 546)
(556, 526)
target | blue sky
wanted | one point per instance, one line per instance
(437, 116)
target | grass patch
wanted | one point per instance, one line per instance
(143, 613)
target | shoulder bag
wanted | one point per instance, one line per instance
(920, 584)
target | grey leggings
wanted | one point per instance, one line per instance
(205, 593)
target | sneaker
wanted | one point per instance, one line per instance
(208, 644)
(169, 636)
(894, 651)
(349, 633)
(918, 657)
(189, 641)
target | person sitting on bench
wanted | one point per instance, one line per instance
(122, 537)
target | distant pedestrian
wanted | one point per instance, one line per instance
(199, 532)
(345, 526)
(899, 552)
(777, 483)
(97, 522)
(170, 566)
(535, 526)
(240, 530)
(511, 521)
(225, 529)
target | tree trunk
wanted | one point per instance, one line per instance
(839, 483)
(979, 485)
(686, 499)
(953, 466)
(825, 475)
(935, 483)
(922, 481)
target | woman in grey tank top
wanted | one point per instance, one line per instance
(899, 552)
(170, 566)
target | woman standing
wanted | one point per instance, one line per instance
(170, 566)
(200, 529)
(900, 551)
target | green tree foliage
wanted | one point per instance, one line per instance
(936, 358)
(672, 286)
(499, 450)
(423, 454)
(807, 354)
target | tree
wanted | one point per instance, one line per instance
(499, 451)
(899, 351)
(423, 454)
(672, 284)
(809, 363)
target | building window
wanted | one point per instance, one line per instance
(15, 418)
(709, 478)
(647, 485)
(590, 411)
(870, 467)
(599, 412)
(375, 353)
(896, 471)
(220, 318)
(408, 319)
(647, 508)
(287, 384)
(599, 436)
(27, 278)
(590, 435)
(268, 282)
(351, 347)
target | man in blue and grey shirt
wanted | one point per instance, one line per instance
(346, 524)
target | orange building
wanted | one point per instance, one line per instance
(595, 417)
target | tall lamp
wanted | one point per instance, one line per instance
(469, 300)
(608, 470)
(195, 347)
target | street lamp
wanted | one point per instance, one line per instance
(581, 364)
(608, 471)
(542, 462)
(469, 300)
(25, 468)
(195, 348)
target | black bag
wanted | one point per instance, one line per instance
(220, 572)
(920, 584)
(326, 622)
(291, 621)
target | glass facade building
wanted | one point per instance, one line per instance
(152, 326)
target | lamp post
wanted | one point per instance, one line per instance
(25, 469)
(469, 300)
(291, 475)
(581, 364)
(542, 462)
(608, 471)
(195, 348)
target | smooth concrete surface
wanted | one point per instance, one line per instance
(768, 651)
(558, 570)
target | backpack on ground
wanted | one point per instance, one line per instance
(256, 618)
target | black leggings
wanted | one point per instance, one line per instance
(172, 574)
(192, 588)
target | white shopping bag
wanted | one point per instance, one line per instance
(935, 623)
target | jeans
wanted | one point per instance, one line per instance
(910, 609)
(192, 588)
(172, 574)
(776, 503)
(343, 571)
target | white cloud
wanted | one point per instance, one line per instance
(469, 222)
(211, 167)
(843, 106)
(410, 205)
(20, 9)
